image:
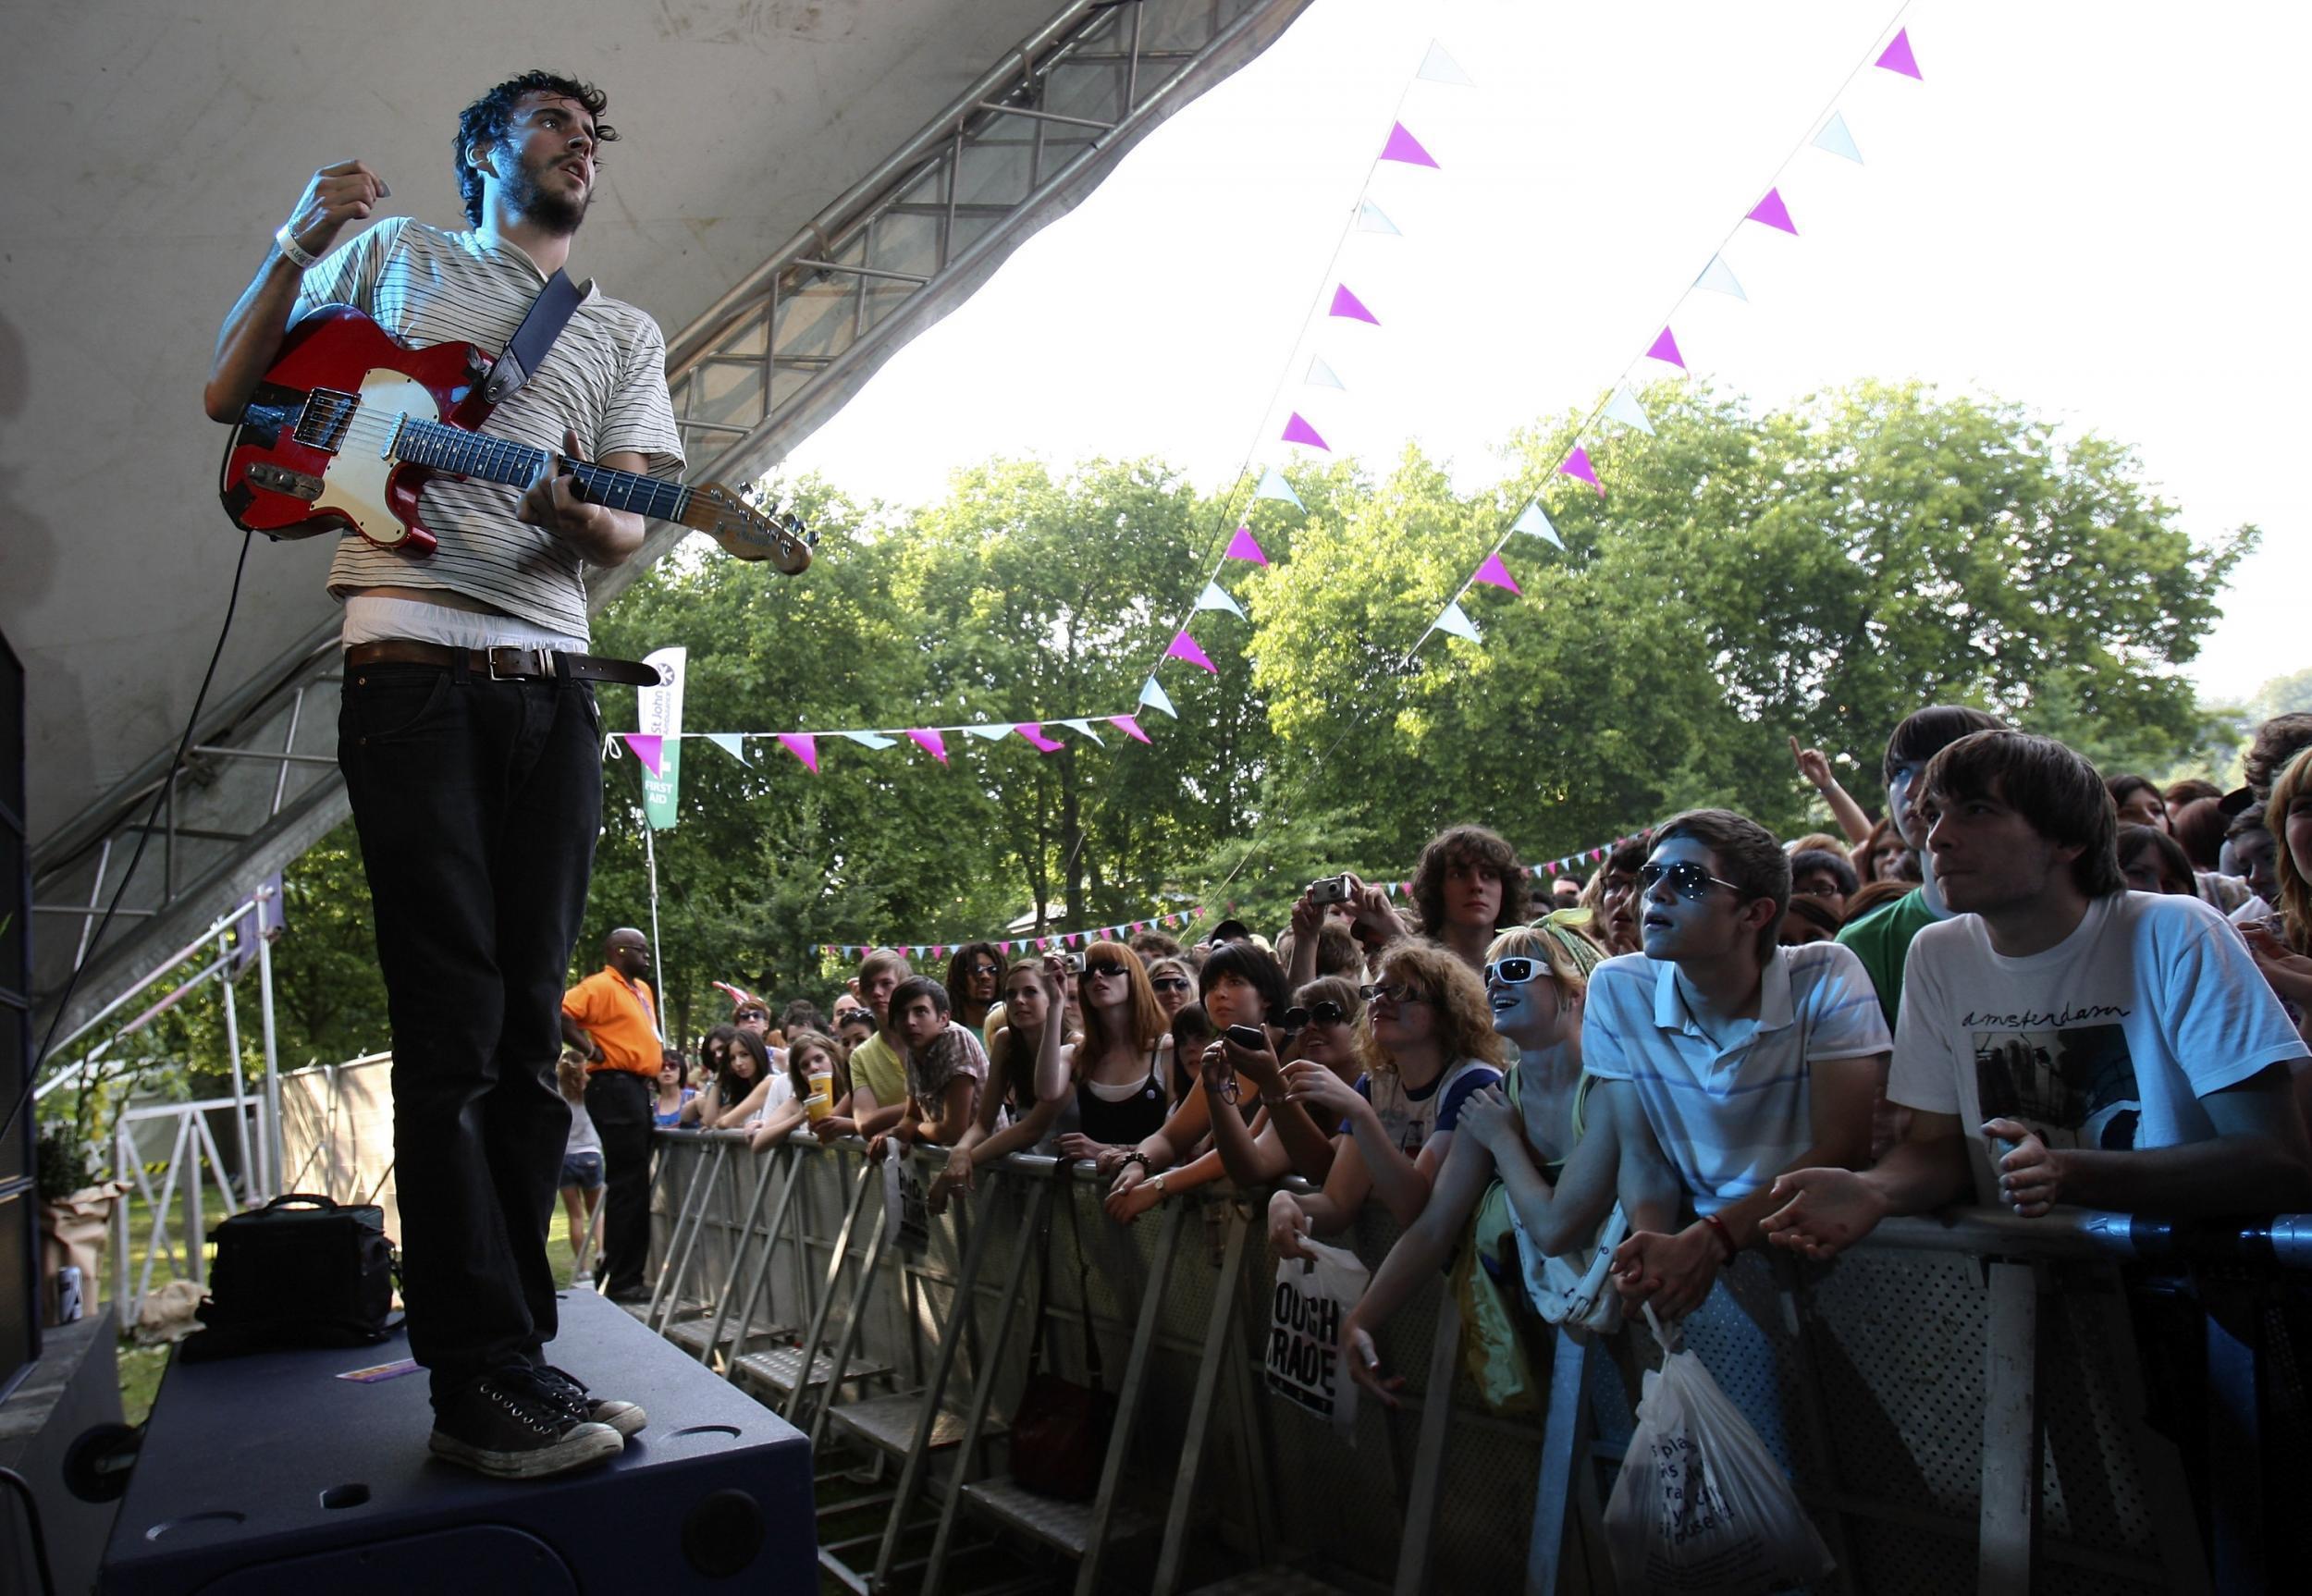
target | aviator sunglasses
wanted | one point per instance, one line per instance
(1688, 879)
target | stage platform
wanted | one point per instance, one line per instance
(270, 1473)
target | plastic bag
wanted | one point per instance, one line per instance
(1307, 1307)
(1701, 1505)
(1573, 1289)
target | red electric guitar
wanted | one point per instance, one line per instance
(346, 427)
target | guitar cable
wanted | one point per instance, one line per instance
(63, 999)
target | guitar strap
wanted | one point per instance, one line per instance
(525, 351)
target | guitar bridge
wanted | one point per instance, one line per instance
(329, 413)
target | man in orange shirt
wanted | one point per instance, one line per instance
(611, 1018)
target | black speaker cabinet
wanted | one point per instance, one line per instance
(270, 1473)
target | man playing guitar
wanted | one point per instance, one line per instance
(469, 739)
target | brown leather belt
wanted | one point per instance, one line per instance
(504, 664)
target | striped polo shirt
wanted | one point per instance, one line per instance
(604, 380)
(1731, 1112)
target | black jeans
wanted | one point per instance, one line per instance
(477, 802)
(619, 1104)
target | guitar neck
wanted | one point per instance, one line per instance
(476, 454)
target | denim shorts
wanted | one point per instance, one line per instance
(582, 1171)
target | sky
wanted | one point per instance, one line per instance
(2089, 209)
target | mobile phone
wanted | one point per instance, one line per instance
(1248, 1037)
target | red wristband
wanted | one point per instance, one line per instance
(1726, 1236)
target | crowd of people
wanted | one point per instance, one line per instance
(2024, 984)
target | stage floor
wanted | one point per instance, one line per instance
(276, 1472)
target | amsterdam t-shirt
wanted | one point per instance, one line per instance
(2109, 1040)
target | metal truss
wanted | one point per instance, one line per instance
(750, 378)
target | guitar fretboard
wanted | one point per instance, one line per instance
(502, 459)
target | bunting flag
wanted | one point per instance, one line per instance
(1184, 647)
(1372, 218)
(1719, 278)
(1154, 697)
(1323, 376)
(995, 732)
(930, 742)
(1214, 597)
(1624, 408)
(867, 739)
(1273, 486)
(1404, 148)
(1534, 522)
(731, 743)
(1439, 68)
(1493, 574)
(647, 748)
(1836, 138)
(1577, 465)
(1456, 621)
(1774, 212)
(1245, 546)
(804, 746)
(1300, 431)
(1033, 731)
(1349, 307)
(1665, 349)
(1084, 728)
(1129, 727)
(1896, 56)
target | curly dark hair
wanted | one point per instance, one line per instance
(489, 118)
(1475, 845)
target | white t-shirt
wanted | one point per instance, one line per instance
(2109, 1040)
(1410, 1118)
(780, 1093)
(1735, 1112)
(584, 1137)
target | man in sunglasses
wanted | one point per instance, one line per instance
(1746, 1059)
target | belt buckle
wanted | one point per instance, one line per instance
(492, 654)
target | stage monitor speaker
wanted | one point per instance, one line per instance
(273, 1473)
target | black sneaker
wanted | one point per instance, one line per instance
(513, 1425)
(626, 1418)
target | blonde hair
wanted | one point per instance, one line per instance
(1465, 1016)
(570, 1077)
(1558, 940)
(2293, 783)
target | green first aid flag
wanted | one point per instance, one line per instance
(660, 709)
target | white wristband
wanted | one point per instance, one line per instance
(289, 247)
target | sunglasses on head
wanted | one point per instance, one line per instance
(1324, 1012)
(1515, 971)
(1688, 879)
(1396, 991)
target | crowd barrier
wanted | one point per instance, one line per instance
(1960, 1401)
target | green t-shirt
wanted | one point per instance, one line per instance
(1882, 940)
(876, 1066)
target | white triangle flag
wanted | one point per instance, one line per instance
(1321, 375)
(1439, 68)
(1085, 726)
(1215, 598)
(731, 743)
(1624, 408)
(1273, 486)
(868, 739)
(1719, 278)
(1456, 621)
(1534, 522)
(995, 733)
(1154, 697)
(1370, 218)
(1836, 139)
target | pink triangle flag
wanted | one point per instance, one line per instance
(1774, 212)
(1578, 464)
(1128, 726)
(1300, 431)
(931, 742)
(1664, 347)
(804, 746)
(1243, 547)
(1033, 731)
(1496, 574)
(1896, 56)
(649, 748)
(1349, 307)
(1403, 146)
(1552, 866)
(1184, 647)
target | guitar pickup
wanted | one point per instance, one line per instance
(280, 479)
